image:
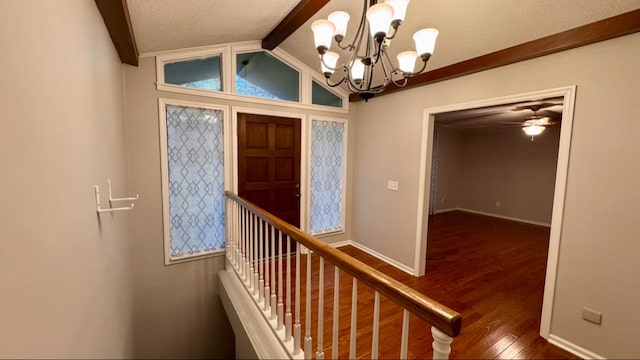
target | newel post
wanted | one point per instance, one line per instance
(441, 344)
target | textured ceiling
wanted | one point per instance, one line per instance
(469, 28)
(160, 25)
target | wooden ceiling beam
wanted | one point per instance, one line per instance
(298, 16)
(116, 17)
(624, 24)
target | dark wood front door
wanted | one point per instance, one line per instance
(269, 164)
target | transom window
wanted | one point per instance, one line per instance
(199, 73)
(262, 75)
(245, 72)
(322, 96)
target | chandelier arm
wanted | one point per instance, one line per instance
(327, 66)
(330, 84)
(412, 74)
(370, 77)
(387, 75)
(400, 84)
(357, 39)
(395, 27)
(393, 68)
(338, 67)
(348, 47)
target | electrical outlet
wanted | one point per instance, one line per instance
(498, 204)
(441, 200)
(392, 185)
(591, 315)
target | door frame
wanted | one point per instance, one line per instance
(303, 151)
(424, 185)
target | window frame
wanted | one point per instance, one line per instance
(228, 61)
(343, 200)
(164, 167)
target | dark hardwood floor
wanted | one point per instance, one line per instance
(490, 270)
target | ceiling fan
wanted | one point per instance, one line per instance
(534, 124)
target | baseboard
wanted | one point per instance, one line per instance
(376, 254)
(440, 211)
(505, 217)
(573, 348)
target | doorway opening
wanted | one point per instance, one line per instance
(426, 201)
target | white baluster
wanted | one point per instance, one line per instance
(247, 248)
(240, 263)
(244, 263)
(296, 326)
(228, 241)
(252, 242)
(354, 319)
(336, 311)
(232, 227)
(261, 260)
(280, 283)
(256, 258)
(376, 326)
(267, 257)
(441, 344)
(273, 273)
(287, 316)
(320, 352)
(236, 230)
(307, 325)
(404, 341)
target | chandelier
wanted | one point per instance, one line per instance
(369, 52)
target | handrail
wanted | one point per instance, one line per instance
(442, 317)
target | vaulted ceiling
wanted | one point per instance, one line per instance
(474, 34)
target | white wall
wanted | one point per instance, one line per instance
(599, 240)
(177, 312)
(447, 157)
(64, 270)
(503, 165)
(478, 167)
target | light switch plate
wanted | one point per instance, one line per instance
(392, 185)
(591, 315)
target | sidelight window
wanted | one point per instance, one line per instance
(328, 154)
(193, 181)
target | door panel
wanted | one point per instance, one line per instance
(269, 164)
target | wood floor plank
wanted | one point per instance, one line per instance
(490, 270)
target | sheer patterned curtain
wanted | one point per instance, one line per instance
(327, 172)
(195, 154)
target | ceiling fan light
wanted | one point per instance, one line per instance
(323, 34)
(407, 61)
(379, 16)
(340, 20)
(425, 41)
(399, 8)
(533, 130)
(357, 70)
(329, 61)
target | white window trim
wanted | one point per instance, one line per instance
(343, 201)
(228, 53)
(164, 167)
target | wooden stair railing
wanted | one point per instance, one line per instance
(253, 235)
